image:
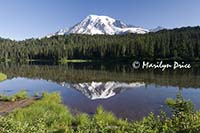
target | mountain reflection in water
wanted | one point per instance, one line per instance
(101, 90)
(126, 92)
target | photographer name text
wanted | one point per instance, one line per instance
(160, 65)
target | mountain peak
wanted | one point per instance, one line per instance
(99, 24)
(98, 16)
(92, 15)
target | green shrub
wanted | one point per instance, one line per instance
(2, 76)
(18, 96)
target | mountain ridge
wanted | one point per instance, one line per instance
(99, 24)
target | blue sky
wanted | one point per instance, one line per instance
(21, 19)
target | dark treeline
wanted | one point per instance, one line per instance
(183, 43)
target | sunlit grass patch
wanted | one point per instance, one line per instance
(18, 96)
(64, 61)
(2, 76)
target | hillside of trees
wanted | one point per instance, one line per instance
(183, 43)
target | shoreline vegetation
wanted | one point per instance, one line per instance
(48, 114)
(64, 61)
(18, 96)
(3, 76)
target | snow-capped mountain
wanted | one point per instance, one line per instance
(102, 90)
(94, 24)
(157, 29)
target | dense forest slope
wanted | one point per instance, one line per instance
(183, 43)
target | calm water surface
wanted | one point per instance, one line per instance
(85, 86)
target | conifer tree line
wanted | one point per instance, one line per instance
(182, 43)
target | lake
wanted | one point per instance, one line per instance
(127, 92)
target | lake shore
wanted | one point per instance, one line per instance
(47, 115)
(8, 106)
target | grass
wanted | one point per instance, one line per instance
(48, 112)
(3, 77)
(49, 115)
(18, 96)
